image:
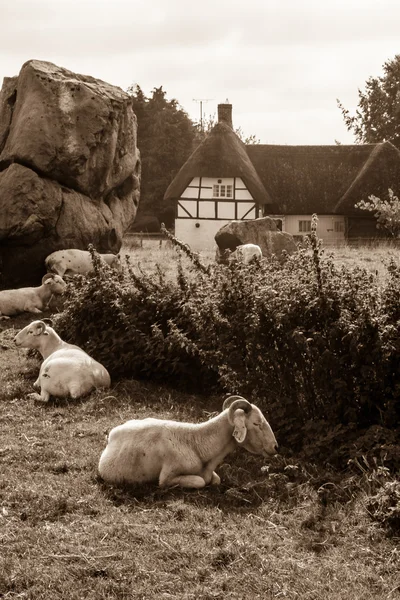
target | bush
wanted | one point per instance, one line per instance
(385, 506)
(306, 340)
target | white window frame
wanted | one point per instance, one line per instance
(305, 226)
(338, 226)
(223, 190)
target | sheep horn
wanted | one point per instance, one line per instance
(228, 401)
(47, 276)
(233, 403)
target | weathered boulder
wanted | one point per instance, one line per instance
(7, 100)
(69, 167)
(262, 232)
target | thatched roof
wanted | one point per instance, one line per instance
(295, 179)
(221, 154)
(324, 179)
(379, 173)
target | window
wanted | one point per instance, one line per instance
(220, 190)
(305, 226)
(338, 226)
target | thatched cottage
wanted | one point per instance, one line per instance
(224, 179)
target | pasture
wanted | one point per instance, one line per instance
(278, 528)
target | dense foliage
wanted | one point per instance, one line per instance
(387, 212)
(207, 123)
(166, 138)
(377, 117)
(309, 341)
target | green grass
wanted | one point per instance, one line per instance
(277, 529)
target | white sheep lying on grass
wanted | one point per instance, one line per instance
(31, 299)
(184, 454)
(67, 370)
(77, 262)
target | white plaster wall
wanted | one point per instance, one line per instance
(190, 205)
(325, 226)
(210, 181)
(192, 191)
(243, 195)
(198, 238)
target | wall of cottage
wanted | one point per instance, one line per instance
(207, 204)
(330, 228)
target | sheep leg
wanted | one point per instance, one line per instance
(215, 479)
(42, 397)
(185, 481)
(77, 390)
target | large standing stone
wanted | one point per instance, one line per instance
(262, 232)
(69, 167)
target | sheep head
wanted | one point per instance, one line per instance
(29, 336)
(55, 283)
(250, 428)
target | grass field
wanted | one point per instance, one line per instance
(273, 529)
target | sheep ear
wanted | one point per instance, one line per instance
(239, 423)
(40, 328)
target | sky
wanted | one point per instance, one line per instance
(282, 64)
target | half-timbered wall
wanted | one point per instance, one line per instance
(209, 203)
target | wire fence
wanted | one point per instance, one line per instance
(140, 239)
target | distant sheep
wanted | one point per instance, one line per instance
(77, 262)
(184, 454)
(67, 370)
(31, 299)
(243, 253)
(246, 252)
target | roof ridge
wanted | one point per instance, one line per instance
(378, 149)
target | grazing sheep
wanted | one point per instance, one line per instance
(246, 252)
(67, 370)
(184, 454)
(31, 299)
(73, 262)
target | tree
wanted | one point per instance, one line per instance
(209, 122)
(377, 118)
(166, 138)
(387, 212)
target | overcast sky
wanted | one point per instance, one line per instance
(281, 63)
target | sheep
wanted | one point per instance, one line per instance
(246, 253)
(243, 253)
(73, 262)
(31, 299)
(184, 454)
(67, 370)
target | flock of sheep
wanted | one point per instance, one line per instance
(140, 450)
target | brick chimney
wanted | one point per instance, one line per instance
(225, 114)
